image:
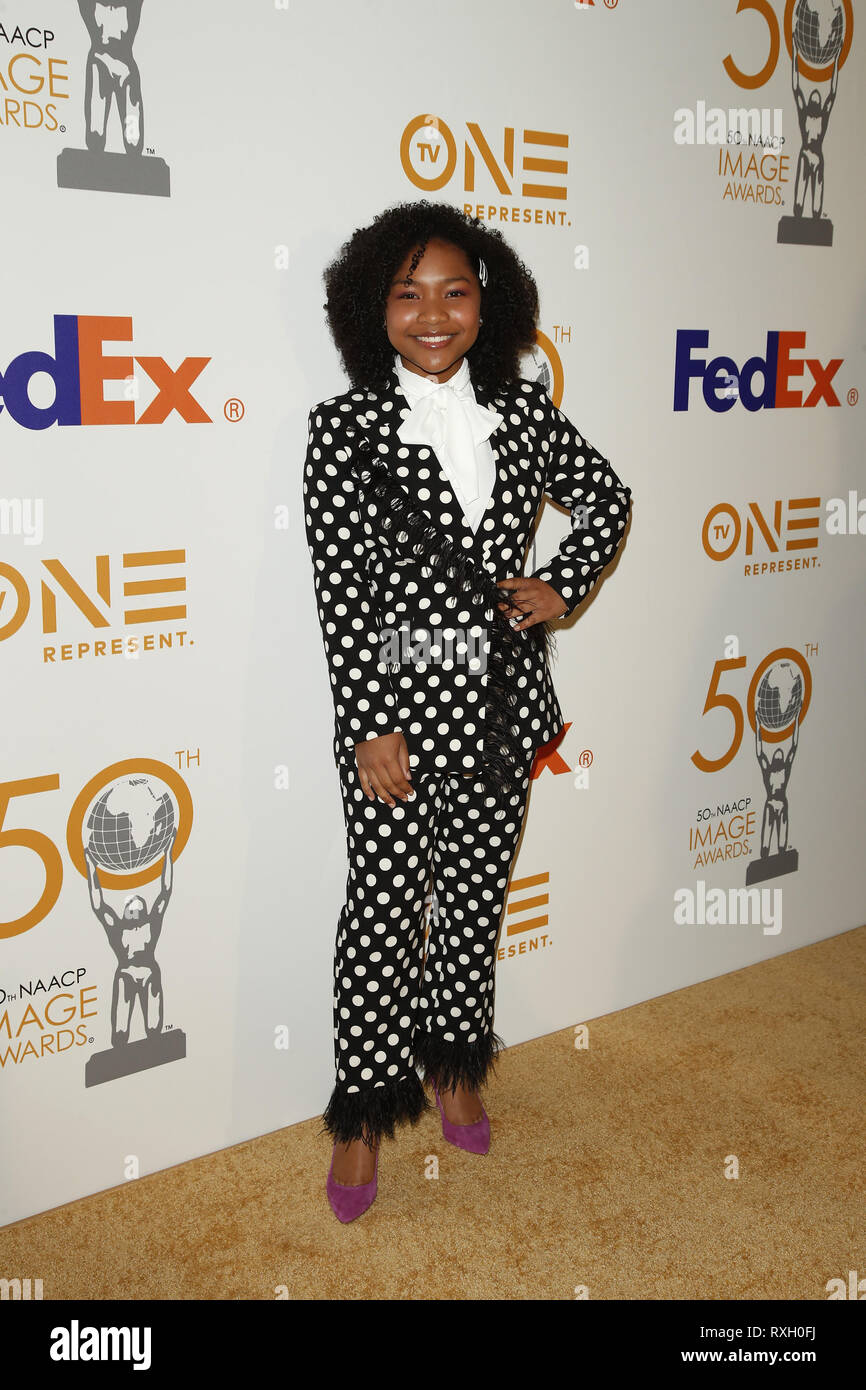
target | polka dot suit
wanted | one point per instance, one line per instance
(391, 1012)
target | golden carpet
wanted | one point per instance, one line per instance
(607, 1172)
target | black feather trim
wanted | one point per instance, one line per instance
(410, 529)
(372, 1114)
(459, 1063)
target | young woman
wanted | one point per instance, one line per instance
(422, 485)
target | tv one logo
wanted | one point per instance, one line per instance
(79, 370)
(428, 153)
(781, 379)
(158, 598)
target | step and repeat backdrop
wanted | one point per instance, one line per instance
(686, 183)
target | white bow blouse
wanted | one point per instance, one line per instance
(446, 416)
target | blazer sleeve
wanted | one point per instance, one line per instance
(365, 705)
(580, 478)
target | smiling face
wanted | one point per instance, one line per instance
(432, 321)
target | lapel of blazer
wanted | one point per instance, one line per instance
(405, 468)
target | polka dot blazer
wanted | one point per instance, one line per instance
(404, 650)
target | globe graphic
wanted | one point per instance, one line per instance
(130, 825)
(780, 695)
(818, 30)
(545, 379)
(535, 367)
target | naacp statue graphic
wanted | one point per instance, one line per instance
(112, 83)
(131, 826)
(778, 702)
(817, 36)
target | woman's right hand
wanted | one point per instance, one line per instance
(383, 767)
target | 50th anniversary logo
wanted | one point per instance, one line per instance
(125, 832)
(37, 87)
(129, 825)
(776, 157)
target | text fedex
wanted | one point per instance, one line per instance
(761, 383)
(80, 369)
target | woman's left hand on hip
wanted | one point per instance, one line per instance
(537, 600)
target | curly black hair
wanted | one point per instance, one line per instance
(358, 280)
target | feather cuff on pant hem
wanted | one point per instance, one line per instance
(373, 1114)
(459, 1063)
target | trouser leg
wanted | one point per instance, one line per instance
(472, 859)
(378, 961)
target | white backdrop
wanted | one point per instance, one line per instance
(279, 129)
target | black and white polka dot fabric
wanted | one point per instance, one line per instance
(391, 1012)
(366, 589)
(394, 1011)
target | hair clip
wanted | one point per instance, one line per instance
(482, 271)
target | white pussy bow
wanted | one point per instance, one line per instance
(446, 416)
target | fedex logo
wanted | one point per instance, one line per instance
(723, 382)
(79, 370)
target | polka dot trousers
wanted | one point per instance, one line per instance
(394, 1009)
